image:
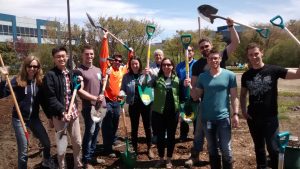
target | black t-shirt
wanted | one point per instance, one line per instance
(262, 86)
(199, 66)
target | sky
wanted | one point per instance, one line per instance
(171, 15)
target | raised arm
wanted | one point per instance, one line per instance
(234, 106)
(293, 74)
(234, 37)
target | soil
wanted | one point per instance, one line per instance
(242, 145)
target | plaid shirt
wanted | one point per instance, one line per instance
(68, 94)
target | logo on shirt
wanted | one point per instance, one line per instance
(259, 86)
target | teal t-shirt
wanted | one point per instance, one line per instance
(215, 103)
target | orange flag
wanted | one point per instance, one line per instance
(104, 54)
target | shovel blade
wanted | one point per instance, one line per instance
(207, 12)
(91, 20)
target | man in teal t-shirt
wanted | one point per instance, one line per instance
(217, 85)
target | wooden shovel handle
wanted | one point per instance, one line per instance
(15, 102)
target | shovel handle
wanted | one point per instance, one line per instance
(265, 32)
(15, 103)
(276, 18)
(282, 140)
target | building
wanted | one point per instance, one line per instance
(13, 28)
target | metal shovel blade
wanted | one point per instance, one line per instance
(207, 12)
(91, 20)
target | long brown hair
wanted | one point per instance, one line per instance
(22, 76)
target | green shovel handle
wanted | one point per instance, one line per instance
(186, 40)
(282, 143)
(150, 29)
(281, 24)
(263, 32)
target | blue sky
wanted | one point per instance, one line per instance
(171, 15)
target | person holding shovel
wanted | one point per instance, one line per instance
(219, 89)
(26, 86)
(90, 95)
(261, 82)
(110, 122)
(205, 46)
(58, 89)
(165, 109)
(137, 108)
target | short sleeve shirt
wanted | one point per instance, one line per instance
(262, 86)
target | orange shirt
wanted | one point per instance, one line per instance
(114, 84)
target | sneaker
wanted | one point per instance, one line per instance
(169, 165)
(49, 163)
(112, 155)
(98, 160)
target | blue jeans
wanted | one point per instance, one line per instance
(90, 135)
(199, 133)
(218, 133)
(110, 124)
(38, 131)
(263, 132)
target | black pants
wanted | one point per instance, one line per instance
(165, 122)
(263, 132)
(135, 111)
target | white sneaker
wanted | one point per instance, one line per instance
(49, 163)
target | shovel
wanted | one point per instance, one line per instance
(105, 30)
(77, 85)
(187, 109)
(146, 93)
(16, 103)
(282, 26)
(282, 140)
(209, 13)
(128, 156)
(99, 110)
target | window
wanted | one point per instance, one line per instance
(5, 29)
(18, 31)
(10, 32)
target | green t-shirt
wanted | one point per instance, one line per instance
(215, 103)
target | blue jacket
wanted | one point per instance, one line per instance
(128, 87)
(28, 98)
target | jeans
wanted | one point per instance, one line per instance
(218, 133)
(263, 132)
(110, 124)
(165, 122)
(90, 135)
(135, 111)
(198, 133)
(38, 131)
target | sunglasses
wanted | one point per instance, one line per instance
(190, 50)
(117, 60)
(33, 66)
(167, 65)
(204, 47)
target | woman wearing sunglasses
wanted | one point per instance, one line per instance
(165, 110)
(26, 86)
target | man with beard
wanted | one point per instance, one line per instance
(205, 46)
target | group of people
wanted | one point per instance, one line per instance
(213, 89)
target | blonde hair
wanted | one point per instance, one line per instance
(22, 76)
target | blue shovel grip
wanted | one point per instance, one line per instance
(281, 24)
(282, 143)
